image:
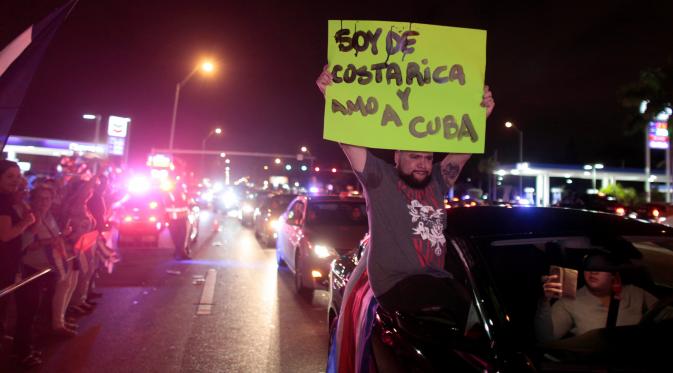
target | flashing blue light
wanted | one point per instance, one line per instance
(304, 168)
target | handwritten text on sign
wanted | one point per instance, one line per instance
(406, 86)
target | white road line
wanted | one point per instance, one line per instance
(208, 293)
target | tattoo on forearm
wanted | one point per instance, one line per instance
(450, 172)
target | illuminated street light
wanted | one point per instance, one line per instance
(223, 155)
(216, 131)
(304, 149)
(277, 161)
(98, 118)
(334, 170)
(266, 167)
(207, 67)
(509, 124)
(593, 168)
(227, 161)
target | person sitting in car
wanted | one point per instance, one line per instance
(589, 310)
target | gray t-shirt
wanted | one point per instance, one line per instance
(406, 225)
(586, 313)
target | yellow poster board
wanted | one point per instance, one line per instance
(406, 86)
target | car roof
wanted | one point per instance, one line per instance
(541, 221)
(335, 198)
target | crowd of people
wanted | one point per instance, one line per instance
(55, 223)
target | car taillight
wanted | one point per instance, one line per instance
(655, 213)
(620, 211)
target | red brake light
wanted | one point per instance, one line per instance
(620, 211)
(655, 213)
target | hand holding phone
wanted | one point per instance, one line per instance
(560, 283)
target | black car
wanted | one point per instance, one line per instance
(500, 254)
(266, 217)
(594, 202)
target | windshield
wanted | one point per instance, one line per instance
(337, 213)
(278, 204)
(633, 274)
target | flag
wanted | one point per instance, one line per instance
(19, 61)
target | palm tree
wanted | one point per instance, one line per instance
(654, 85)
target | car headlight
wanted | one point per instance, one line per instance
(322, 251)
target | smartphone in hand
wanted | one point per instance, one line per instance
(568, 279)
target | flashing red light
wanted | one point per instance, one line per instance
(317, 169)
(655, 213)
(334, 170)
(620, 211)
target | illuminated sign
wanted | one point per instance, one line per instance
(159, 161)
(115, 145)
(117, 126)
(657, 135)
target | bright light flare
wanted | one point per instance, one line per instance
(138, 185)
(509, 124)
(153, 205)
(620, 211)
(218, 131)
(322, 251)
(208, 67)
(88, 116)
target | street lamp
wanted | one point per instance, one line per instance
(216, 131)
(98, 118)
(207, 67)
(593, 168)
(511, 125)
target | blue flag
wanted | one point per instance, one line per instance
(18, 62)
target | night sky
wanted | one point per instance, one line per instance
(554, 69)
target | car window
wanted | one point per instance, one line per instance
(295, 213)
(337, 213)
(515, 269)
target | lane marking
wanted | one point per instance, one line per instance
(208, 294)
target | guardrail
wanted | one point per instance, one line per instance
(13, 287)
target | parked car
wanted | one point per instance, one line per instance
(315, 230)
(141, 217)
(595, 202)
(500, 254)
(654, 212)
(266, 215)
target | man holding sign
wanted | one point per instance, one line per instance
(415, 89)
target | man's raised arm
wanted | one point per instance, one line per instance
(357, 155)
(453, 163)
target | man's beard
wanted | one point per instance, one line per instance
(412, 182)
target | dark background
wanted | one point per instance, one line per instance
(554, 67)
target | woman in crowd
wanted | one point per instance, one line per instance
(12, 226)
(48, 250)
(80, 220)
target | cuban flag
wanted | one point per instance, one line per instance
(18, 62)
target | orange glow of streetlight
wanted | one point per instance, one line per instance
(207, 67)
